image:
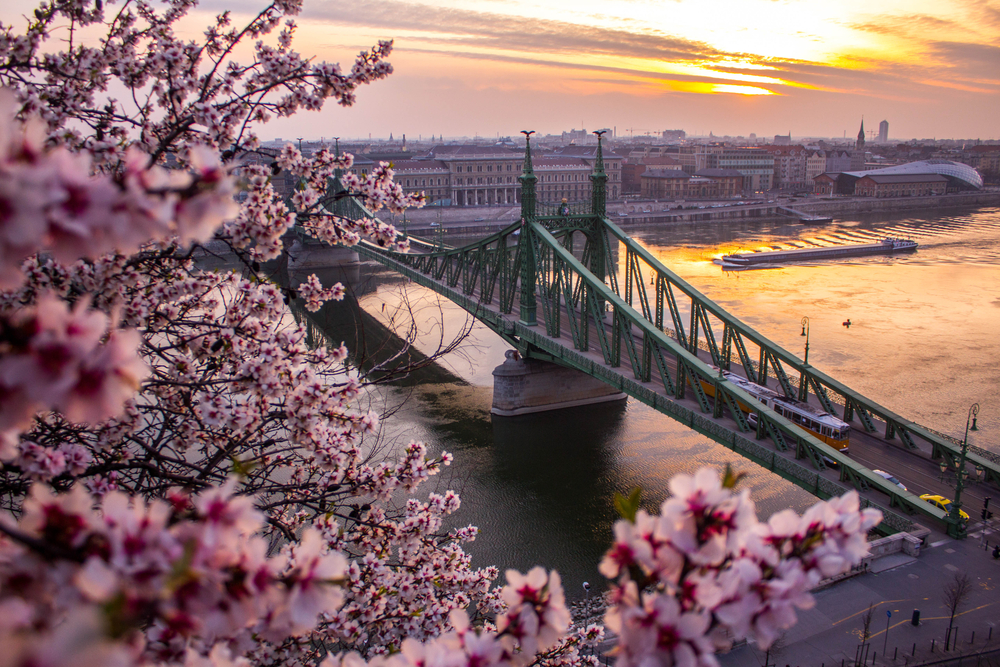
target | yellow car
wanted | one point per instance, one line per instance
(943, 503)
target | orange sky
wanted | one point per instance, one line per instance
(809, 67)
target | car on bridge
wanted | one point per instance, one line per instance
(943, 503)
(889, 478)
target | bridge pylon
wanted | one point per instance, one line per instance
(526, 254)
(616, 313)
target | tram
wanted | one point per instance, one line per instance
(823, 425)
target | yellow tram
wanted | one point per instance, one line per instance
(823, 425)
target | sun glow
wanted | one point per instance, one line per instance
(707, 88)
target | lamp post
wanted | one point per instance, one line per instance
(956, 525)
(803, 386)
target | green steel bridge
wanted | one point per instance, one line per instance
(543, 284)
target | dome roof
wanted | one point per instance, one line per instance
(955, 170)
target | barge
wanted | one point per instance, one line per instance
(886, 246)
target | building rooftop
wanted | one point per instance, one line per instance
(473, 151)
(905, 178)
(666, 174)
(954, 170)
(719, 173)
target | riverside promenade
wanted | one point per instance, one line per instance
(829, 634)
(631, 213)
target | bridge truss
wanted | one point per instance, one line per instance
(657, 339)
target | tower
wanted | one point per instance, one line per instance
(858, 154)
(883, 132)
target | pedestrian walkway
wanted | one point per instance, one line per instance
(829, 634)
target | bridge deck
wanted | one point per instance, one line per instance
(725, 430)
(631, 348)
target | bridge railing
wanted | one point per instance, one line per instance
(571, 290)
(772, 357)
(476, 274)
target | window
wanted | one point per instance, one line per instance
(479, 167)
(489, 167)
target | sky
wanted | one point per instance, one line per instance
(808, 67)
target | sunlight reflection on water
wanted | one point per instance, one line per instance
(922, 342)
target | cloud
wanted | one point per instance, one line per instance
(978, 57)
(508, 32)
(905, 26)
(632, 75)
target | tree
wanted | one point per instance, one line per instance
(866, 623)
(188, 481)
(956, 592)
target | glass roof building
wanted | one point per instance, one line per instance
(961, 175)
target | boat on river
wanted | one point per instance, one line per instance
(886, 246)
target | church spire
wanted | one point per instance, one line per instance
(861, 135)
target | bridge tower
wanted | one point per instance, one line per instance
(596, 236)
(526, 242)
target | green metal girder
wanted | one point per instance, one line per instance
(870, 408)
(776, 436)
(506, 261)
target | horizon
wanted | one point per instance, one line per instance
(761, 140)
(732, 68)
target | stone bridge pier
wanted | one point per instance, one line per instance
(524, 386)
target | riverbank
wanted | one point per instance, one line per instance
(427, 221)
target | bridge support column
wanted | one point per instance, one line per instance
(523, 386)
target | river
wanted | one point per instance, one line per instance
(922, 341)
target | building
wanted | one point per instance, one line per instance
(674, 135)
(755, 164)
(958, 177)
(815, 165)
(726, 183)
(432, 177)
(578, 137)
(470, 175)
(678, 184)
(664, 183)
(900, 185)
(782, 140)
(883, 132)
(858, 156)
(633, 169)
(984, 158)
(562, 177)
(825, 184)
(612, 165)
(790, 171)
(838, 160)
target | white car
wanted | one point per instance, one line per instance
(889, 478)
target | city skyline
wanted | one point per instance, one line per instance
(728, 67)
(756, 66)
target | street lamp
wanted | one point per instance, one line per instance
(805, 332)
(956, 518)
(803, 385)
